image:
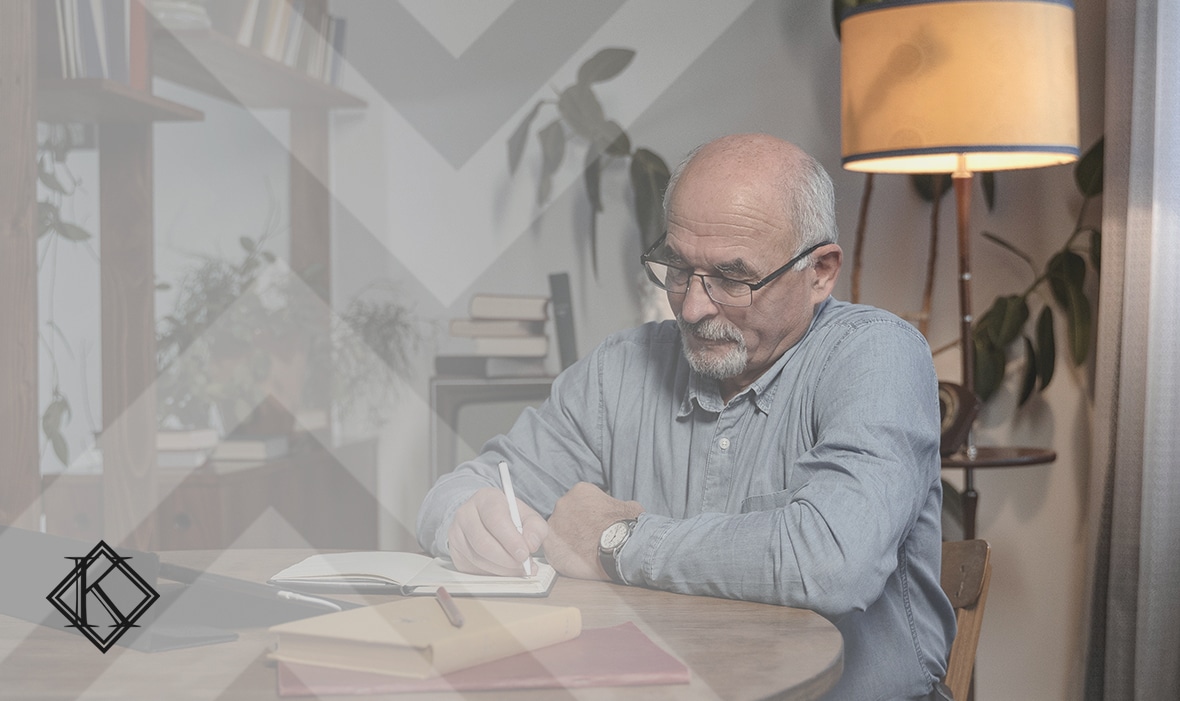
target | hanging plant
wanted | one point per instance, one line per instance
(1009, 317)
(60, 184)
(580, 117)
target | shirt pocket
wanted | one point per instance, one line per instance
(766, 502)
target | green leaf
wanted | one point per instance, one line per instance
(582, 111)
(47, 218)
(72, 232)
(617, 143)
(60, 448)
(1002, 322)
(517, 141)
(163, 286)
(55, 414)
(986, 324)
(989, 367)
(1065, 269)
(987, 181)
(552, 139)
(248, 244)
(604, 65)
(1002, 243)
(48, 177)
(1078, 324)
(1029, 380)
(1047, 343)
(592, 176)
(649, 179)
(1015, 313)
(52, 420)
(925, 184)
(1089, 169)
(269, 257)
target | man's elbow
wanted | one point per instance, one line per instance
(836, 591)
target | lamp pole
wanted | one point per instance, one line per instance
(962, 181)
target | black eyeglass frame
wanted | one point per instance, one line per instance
(754, 286)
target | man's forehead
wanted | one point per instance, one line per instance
(728, 254)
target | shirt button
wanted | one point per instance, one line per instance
(724, 443)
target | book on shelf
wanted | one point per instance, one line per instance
(257, 448)
(278, 24)
(489, 367)
(408, 574)
(187, 439)
(115, 24)
(297, 33)
(517, 307)
(620, 655)
(139, 75)
(510, 347)
(415, 638)
(51, 60)
(245, 21)
(471, 328)
(91, 39)
(294, 32)
(183, 459)
(99, 39)
(335, 42)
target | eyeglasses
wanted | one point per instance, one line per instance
(722, 290)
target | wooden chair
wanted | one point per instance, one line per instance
(966, 572)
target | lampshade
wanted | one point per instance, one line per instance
(932, 86)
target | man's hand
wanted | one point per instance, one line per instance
(578, 520)
(483, 540)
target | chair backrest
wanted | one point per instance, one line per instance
(966, 573)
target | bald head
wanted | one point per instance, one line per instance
(764, 173)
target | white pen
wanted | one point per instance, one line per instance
(292, 596)
(510, 494)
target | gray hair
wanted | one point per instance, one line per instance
(811, 201)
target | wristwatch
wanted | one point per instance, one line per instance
(610, 543)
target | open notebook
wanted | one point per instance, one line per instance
(404, 573)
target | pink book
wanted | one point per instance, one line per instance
(620, 655)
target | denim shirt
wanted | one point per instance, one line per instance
(816, 487)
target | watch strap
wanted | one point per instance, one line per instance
(609, 559)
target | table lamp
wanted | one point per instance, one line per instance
(959, 86)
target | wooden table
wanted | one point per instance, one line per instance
(735, 649)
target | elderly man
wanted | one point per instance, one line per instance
(772, 444)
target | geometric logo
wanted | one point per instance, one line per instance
(102, 596)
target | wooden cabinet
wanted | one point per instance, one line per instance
(312, 497)
(130, 485)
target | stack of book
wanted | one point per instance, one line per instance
(193, 448)
(104, 39)
(298, 33)
(185, 449)
(506, 336)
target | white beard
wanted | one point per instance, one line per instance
(730, 363)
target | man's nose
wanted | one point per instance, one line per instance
(697, 303)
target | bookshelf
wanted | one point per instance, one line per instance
(204, 61)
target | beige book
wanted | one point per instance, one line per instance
(414, 638)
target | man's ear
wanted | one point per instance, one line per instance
(828, 260)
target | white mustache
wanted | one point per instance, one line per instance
(711, 330)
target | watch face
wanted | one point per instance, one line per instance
(614, 535)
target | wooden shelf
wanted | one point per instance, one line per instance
(212, 63)
(98, 101)
(1000, 457)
